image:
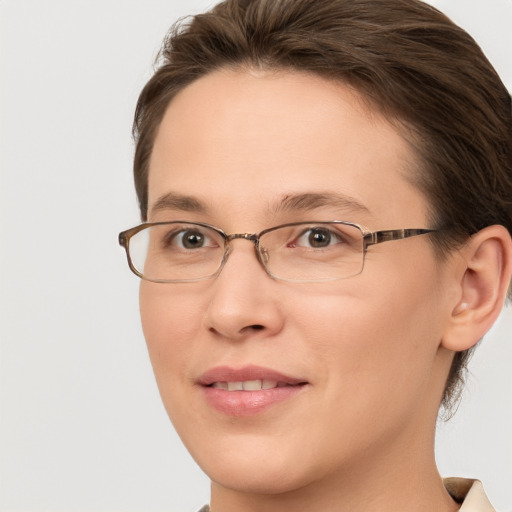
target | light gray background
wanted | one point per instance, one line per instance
(82, 427)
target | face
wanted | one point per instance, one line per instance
(357, 360)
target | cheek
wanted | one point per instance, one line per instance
(170, 323)
(376, 348)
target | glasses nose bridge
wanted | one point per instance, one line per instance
(261, 253)
(246, 236)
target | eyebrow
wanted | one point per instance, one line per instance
(289, 203)
(312, 201)
(174, 201)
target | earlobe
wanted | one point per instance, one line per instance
(484, 276)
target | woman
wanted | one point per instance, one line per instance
(326, 195)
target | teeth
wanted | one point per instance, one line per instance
(248, 385)
(235, 386)
(252, 385)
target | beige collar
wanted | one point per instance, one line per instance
(470, 493)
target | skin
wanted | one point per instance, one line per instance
(360, 435)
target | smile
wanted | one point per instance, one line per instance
(249, 385)
(247, 391)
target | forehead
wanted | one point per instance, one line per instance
(243, 140)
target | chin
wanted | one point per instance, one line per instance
(262, 477)
(262, 464)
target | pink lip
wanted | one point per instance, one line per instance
(227, 374)
(247, 403)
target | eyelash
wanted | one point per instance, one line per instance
(177, 237)
(333, 237)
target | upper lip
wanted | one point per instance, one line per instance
(250, 372)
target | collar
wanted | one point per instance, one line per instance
(470, 493)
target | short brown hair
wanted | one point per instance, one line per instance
(406, 58)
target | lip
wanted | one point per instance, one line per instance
(248, 403)
(251, 372)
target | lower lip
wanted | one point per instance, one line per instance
(248, 403)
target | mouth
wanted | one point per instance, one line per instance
(248, 391)
(249, 385)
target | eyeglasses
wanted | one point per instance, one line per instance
(185, 252)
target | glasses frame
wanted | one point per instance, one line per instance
(369, 238)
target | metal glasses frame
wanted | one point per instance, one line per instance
(368, 237)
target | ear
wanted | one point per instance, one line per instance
(483, 276)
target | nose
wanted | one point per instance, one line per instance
(244, 299)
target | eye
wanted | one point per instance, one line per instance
(189, 239)
(317, 238)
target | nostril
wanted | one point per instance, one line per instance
(252, 328)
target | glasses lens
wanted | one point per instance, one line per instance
(176, 252)
(313, 251)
